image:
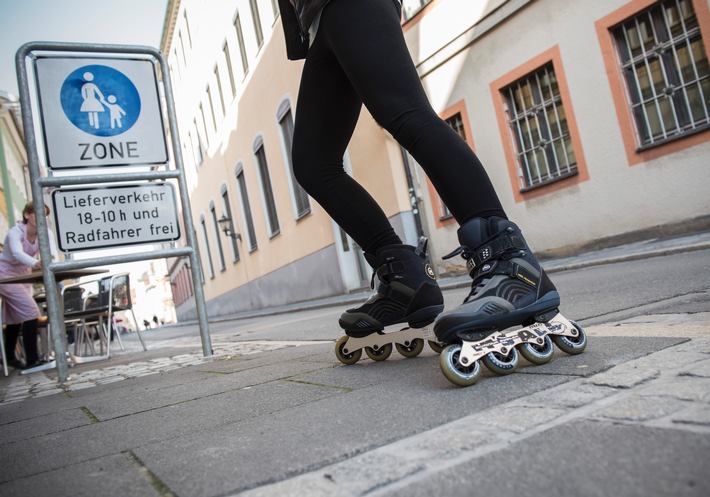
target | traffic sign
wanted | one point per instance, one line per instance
(113, 216)
(100, 112)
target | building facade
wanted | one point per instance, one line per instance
(14, 173)
(591, 118)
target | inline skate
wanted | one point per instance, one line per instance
(407, 292)
(509, 290)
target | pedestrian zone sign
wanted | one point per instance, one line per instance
(100, 112)
(94, 218)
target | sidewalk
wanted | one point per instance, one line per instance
(274, 417)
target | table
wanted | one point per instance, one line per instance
(59, 276)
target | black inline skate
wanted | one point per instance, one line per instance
(509, 289)
(407, 292)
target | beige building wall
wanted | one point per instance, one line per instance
(466, 51)
(305, 258)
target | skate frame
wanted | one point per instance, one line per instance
(378, 340)
(503, 341)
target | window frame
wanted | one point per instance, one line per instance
(247, 215)
(637, 155)
(299, 197)
(554, 57)
(268, 196)
(217, 234)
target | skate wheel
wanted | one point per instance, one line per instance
(414, 348)
(457, 373)
(436, 346)
(572, 345)
(502, 364)
(537, 354)
(350, 358)
(380, 354)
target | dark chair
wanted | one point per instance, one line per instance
(91, 307)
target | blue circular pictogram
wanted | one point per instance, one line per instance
(100, 100)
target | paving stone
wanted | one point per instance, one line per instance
(518, 419)
(625, 376)
(641, 409)
(579, 396)
(363, 474)
(694, 416)
(701, 369)
(682, 388)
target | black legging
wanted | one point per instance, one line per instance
(29, 339)
(360, 56)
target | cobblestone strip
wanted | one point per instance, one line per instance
(39, 384)
(670, 388)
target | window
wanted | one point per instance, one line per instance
(182, 48)
(217, 234)
(665, 67)
(219, 89)
(210, 101)
(539, 129)
(208, 252)
(230, 70)
(177, 63)
(275, 7)
(199, 156)
(204, 125)
(246, 209)
(257, 22)
(456, 123)
(227, 209)
(240, 40)
(187, 28)
(267, 191)
(410, 8)
(300, 196)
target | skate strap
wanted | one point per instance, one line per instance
(499, 245)
(507, 268)
(389, 268)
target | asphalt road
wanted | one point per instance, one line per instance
(660, 285)
(267, 417)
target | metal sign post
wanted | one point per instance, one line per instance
(99, 106)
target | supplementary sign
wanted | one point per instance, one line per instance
(91, 218)
(100, 112)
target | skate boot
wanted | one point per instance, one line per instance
(407, 292)
(509, 289)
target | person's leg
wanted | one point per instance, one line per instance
(326, 114)
(10, 334)
(29, 339)
(366, 38)
(509, 285)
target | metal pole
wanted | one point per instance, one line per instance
(187, 213)
(56, 320)
(90, 178)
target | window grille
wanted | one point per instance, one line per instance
(664, 64)
(538, 126)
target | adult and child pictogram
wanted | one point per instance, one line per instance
(100, 100)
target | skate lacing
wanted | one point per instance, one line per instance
(479, 281)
